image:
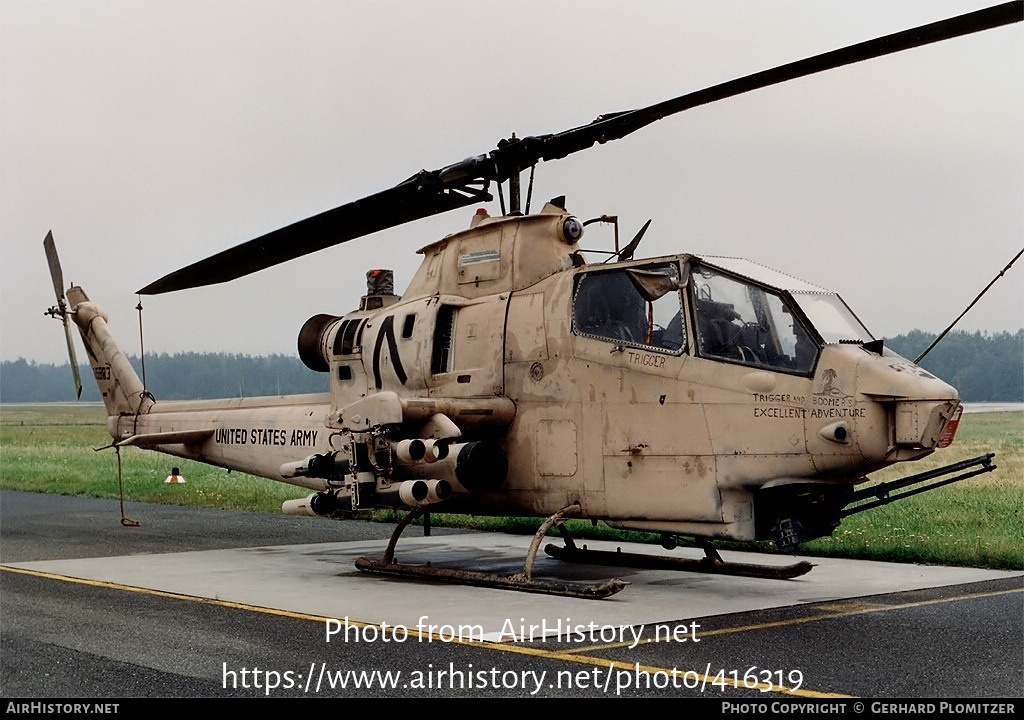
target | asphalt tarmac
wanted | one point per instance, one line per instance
(206, 603)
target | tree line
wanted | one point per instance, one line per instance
(181, 376)
(984, 367)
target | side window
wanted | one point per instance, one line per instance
(635, 306)
(444, 331)
(746, 323)
(407, 326)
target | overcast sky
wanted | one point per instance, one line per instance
(148, 135)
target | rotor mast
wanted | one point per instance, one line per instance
(515, 183)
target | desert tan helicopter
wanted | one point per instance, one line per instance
(682, 395)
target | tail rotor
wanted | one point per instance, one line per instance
(61, 308)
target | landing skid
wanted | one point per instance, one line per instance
(712, 562)
(523, 582)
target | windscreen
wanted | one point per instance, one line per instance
(831, 317)
(746, 323)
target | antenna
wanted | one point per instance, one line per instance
(973, 302)
(142, 346)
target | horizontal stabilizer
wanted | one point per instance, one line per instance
(187, 437)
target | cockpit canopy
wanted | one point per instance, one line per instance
(723, 308)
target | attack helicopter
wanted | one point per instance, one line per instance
(684, 395)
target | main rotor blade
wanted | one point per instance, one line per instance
(418, 197)
(455, 186)
(522, 154)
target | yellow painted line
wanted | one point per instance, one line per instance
(848, 605)
(705, 680)
(701, 679)
(157, 593)
(856, 608)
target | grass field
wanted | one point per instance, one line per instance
(978, 522)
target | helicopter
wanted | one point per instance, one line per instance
(684, 395)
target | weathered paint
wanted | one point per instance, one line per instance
(638, 425)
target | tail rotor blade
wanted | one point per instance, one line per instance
(55, 272)
(74, 360)
(57, 276)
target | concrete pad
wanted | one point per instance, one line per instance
(321, 580)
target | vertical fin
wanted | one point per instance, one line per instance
(119, 384)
